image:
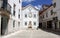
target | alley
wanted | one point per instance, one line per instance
(34, 34)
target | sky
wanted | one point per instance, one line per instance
(36, 3)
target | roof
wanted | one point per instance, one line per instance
(41, 12)
(29, 6)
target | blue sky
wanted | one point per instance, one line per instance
(36, 3)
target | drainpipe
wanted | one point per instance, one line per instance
(0, 25)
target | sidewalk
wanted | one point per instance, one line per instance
(6, 36)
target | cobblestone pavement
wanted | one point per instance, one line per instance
(34, 34)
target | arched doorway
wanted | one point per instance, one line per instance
(30, 24)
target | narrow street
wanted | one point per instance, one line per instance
(34, 34)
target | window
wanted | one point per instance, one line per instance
(25, 23)
(14, 9)
(54, 5)
(19, 10)
(34, 23)
(26, 15)
(18, 15)
(18, 23)
(46, 14)
(43, 16)
(34, 15)
(51, 12)
(14, 13)
(14, 23)
(19, 1)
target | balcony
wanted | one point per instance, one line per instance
(5, 8)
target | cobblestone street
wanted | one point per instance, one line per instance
(34, 34)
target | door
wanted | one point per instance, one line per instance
(49, 23)
(4, 23)
(55, 25)
(30, 24)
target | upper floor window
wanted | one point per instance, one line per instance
(19, 10)
(14, 13)
(14, 9)
(26, 15)
(43, 16)
(51, 12)
(46, 14)
(19, 1)
(54, 4)
(34, 15)
(18, 15)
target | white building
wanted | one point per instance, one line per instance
(46, 17)
(51, 16)
(10, 18)
(30, 17)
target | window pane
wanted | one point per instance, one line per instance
(18, 15)
(26, 15)
(46, 14)
(18, 23)
(25, 23)
(34, 15)
(34, 23)
(14, 9)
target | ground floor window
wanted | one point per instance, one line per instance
(18, 23)
(25, 23)
(35, 23)
(14, 23)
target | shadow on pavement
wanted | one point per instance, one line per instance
(57, 32)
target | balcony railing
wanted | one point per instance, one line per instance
(7, 7)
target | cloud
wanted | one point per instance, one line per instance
(38, 7)
(27, 1)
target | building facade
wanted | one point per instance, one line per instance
(57, 10)
(30, 17)
(9, 16)
(51, 16)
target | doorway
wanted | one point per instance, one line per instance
(49, 24)
(30, 24)
(4, 24)
(40, 25)
(55, 25)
